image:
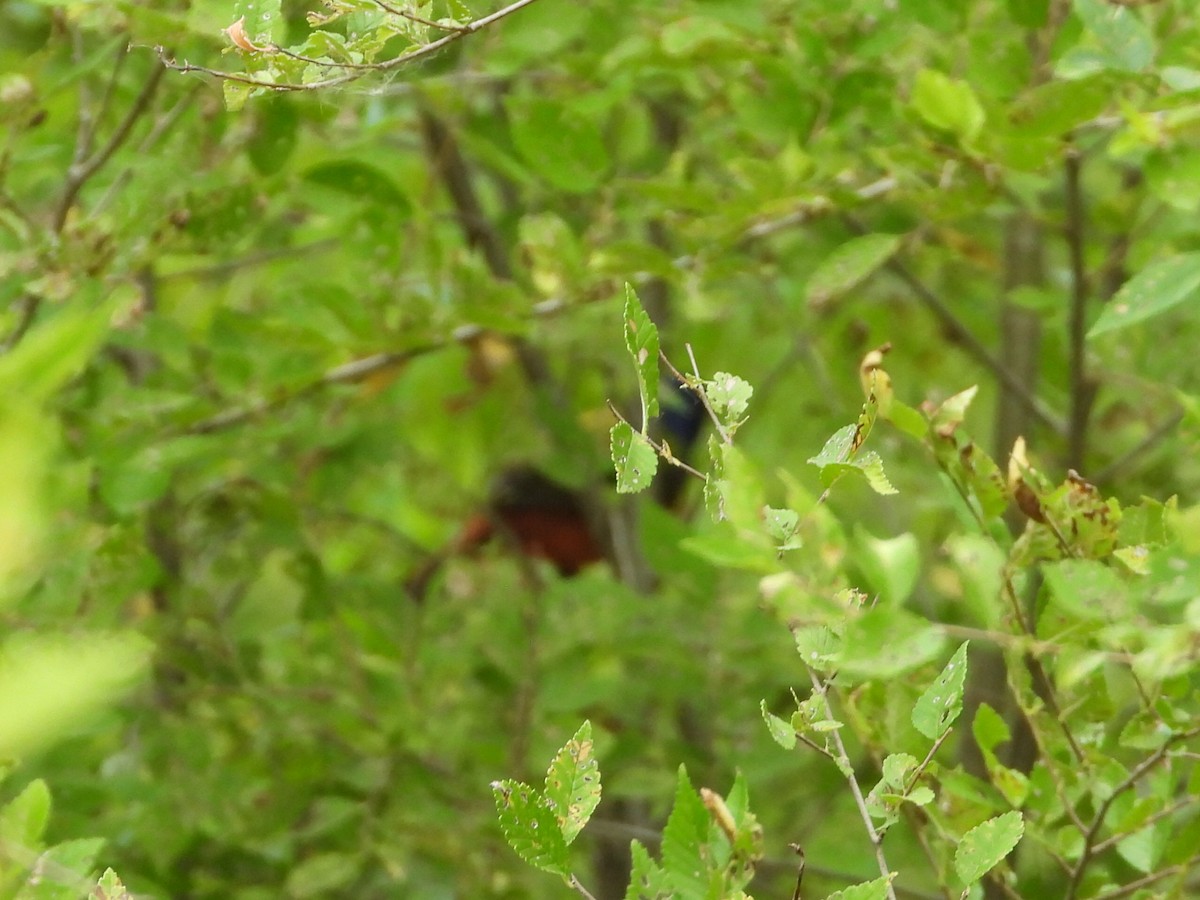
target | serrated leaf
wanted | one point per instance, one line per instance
(23, 819)
(781, 731)
(1158, 287)
(531, 827)
(573, 783)
(868, 890)
(633, 457)
(920, 795)
(683, 841)
(897, 767)
(260, 19)
(948, 104)
(870, 464)
(985, 845)
(837, 449)
(941, 704)
(647, 880)
(110, 887)
(641, 340)
(849, 265)
(729, 397)
(73, 860)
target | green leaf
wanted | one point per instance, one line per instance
(558, 143)
(635, 460)
(275, 135)
(849, 265)
(684, 840)
(729, 397)
(530, 826)
(941, 703)
(867, 890)
(897, 768)
(72, 861)
(262, 20)
(838, 449)
(948, 104)
(573, 783)
(1125, 42)
(985, 845)
(54, 352)
(891, 565)
(885, 642)
(647, 880)
(360, 180)
(323, 874)
(1087, 590)
(1157, 288)
(111, 887)
(781, 731)
(49, 686)
(23, 819)
(641, 340)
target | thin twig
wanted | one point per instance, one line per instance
(960, 334)
(1081, 392)
(79, 173)
(1089, 839)
(865, 814)
(350, 372)
(386, 66)
(662, 451)
(580, 889)
(413, 17)
(1160, 433)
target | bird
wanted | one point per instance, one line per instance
(544, 519)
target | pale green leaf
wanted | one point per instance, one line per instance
(729, 397)
(1124, 41)
(573, 783)
(641, 340)
(849, 265)
(53, 352)
(868, 890)
(635, 460)
(1159, 287)
(49, 686)
(870, 464)
(948, 104)
(23, 819)
(985, 845)
(941, 704)
(781, 731)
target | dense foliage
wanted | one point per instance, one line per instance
(283, 288)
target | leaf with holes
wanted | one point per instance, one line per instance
(1154, 290)
(781, 732)
(868, 890)
(941, 704)
(531, 827)
(729, 397)
(635, 460)
(573, 783)
(985, 845)
(641, 340)
(647, 880)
